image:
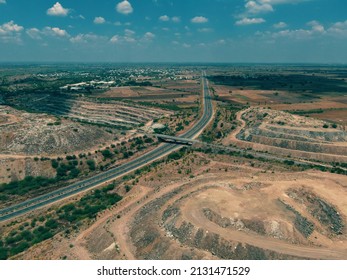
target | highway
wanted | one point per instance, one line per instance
(78, 187)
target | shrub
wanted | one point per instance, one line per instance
(55, 164)
(91, 164)
(107, 154)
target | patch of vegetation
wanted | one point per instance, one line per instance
(91, 164)
(305, 112)
(107, 154)
(309, 85)
(223, 123)
(171, 107)
(55, 163)
(26, 185)
(89, 205)
(62, 219)
(177, 155)
(289, 162)
(67, 171)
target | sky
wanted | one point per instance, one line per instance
(225, 31)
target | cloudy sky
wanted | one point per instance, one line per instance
(173, 31)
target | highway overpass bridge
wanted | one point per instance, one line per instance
(175, 139)
(111, 174)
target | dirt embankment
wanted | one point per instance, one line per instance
(220, 207)
(290, 135)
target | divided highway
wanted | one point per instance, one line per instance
(159, 152)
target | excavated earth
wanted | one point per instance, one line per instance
(292, 135)
(226, 208)
(39, 134)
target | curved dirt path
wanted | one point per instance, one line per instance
(80, 242)
(197, 218)
(120, 227)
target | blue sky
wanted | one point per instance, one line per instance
(174, 31)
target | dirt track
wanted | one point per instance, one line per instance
(213, 191)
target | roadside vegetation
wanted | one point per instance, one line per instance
(223, 123)
(72, 167)
(64, 219)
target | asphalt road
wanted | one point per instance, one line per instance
(162, 150)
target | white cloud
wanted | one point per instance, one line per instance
(342, 25)
(2, 1)
(127, 38)
(164, 18)
(205, 30)
(254, 7)
(129, 32)
(55, 31)
(10, 27)
(316, 26)
(280, 25)
(249, 21)
(149, 36)
(78, 39)
(185, 45)
(85, 38)
(58, 10)
(176, 19)
(115, 39)
(124, 7)
(199, 19)
(338, 29)
(34, 33)
(37, 34)
(167, 18)
(275, 2)
(316, 29)
(11, 32)
(99, 20)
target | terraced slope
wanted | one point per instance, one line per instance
(287, 133)
(111, 113)
(39, 134)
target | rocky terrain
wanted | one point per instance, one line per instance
(207, 207)
(40, 134)
(316, 139)
(109, 113)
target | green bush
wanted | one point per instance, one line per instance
(53, 224)
(107, 154)
(55, 164)
(91, 164)
(26, 185)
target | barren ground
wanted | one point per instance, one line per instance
(287, 134)
(227, 208)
